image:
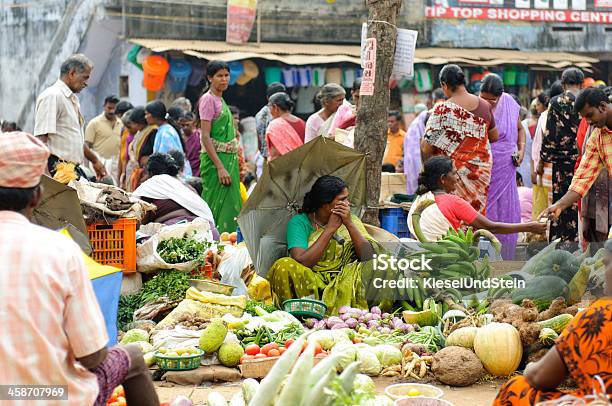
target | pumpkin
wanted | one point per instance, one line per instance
(462, 337)
(499, 348)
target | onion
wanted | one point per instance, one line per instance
(372, 324)
(407, 328)
(375, 310)
(344, 309)
(351, 323)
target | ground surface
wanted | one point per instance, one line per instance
(481, 394)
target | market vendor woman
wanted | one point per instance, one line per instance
(438, 182)
(328, 248)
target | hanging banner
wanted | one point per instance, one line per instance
(240, 19)
(369, 68)
(560, 11)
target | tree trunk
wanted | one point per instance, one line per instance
(371, 127)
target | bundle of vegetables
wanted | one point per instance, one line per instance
(415, 361)
(451, 257)
(264, 335)
(360, 319)
(252, 304)
(179, 250)
(429, 337)
(294, 381)
(167, 283)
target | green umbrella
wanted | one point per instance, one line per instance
(279, 194)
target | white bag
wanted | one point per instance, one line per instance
(233, 263)
(147, 258)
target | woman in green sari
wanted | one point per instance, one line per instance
(219, 160)
(330, 251)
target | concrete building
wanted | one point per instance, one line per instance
(37, 36)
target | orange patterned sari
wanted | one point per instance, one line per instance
(459, 134)
(586, 349)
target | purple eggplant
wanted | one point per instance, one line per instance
(310, 323)
(375, 316)
(407, 328)
(339, 325)
(376, 310)
(373, 324)
(345, 316)
(385, 315)
(385, 330)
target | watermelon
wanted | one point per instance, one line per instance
(542, 290)
(558, 263)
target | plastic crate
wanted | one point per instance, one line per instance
(114, 244)
(395, 221)
(305, 308)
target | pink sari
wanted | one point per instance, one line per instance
(281, 138)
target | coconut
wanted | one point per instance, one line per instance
(457, 366)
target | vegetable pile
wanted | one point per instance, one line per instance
(179, 250)
(360, 319)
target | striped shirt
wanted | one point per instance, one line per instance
(597, 155)
(48, 311)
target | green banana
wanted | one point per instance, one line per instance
(461, 234)
(448, 257)
(489, 236)
(469, 268)
(474, 253)
(458, 240)
(463, 254)
(433, 247)
(416, 219)
(469, 236)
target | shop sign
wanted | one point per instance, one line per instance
(369, 68)
(240, 19)
(564, 11)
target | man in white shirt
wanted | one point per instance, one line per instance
(59, 122)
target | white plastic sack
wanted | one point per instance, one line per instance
(234, 260)
(147, 258)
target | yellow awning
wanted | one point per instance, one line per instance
(308, 54)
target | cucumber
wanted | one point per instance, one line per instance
(557, 323)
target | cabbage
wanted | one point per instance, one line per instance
(135, 335)
(325, 338)
(346, 351)
(341, 335)
(364, 384)
(370, 365)
(144, 346)
(388, 355)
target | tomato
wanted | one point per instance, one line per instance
(259, 356)
(252, 349)
(266, 348)
(289, 342)
(273, 353)
(317, 349)
(113, 398)
(282, 350)
(246, 358)
(121, 401)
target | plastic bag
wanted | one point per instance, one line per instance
(147, 258)
(540, 199)
(234, 260)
